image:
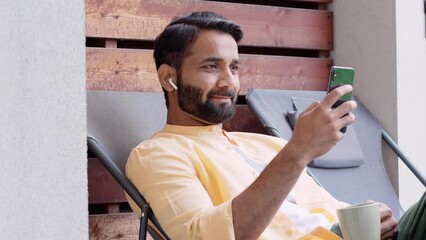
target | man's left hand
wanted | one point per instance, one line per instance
(387, 222)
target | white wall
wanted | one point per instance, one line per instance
(385, 42)
(411, 74)
(43, 175)
(364, 37)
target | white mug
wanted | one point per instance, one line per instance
(360, 222)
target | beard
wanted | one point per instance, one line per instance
(190, 101)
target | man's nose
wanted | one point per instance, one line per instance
(228, 79)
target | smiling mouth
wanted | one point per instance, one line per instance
(221, 98)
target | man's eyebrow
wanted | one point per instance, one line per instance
(217, 59)
(212, 59)
(236, 61)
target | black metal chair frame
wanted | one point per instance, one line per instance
(146, 212)
(117, 122)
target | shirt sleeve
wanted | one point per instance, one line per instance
(168, 181)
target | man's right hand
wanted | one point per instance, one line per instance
(317, 129)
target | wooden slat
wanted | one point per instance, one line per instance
(114, 226)
(102, 186)
(315, 1)
(279, 72)
(262, 25)
(134, 70)
(121, 70)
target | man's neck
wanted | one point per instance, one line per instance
(175, 116)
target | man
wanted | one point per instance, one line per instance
(205, 183)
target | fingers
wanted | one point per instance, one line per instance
(388, 222)
(310, 107)
(334, 95)
(341, 116)
(344, 121)
(386, 215)
(389, 235)
(344, 109)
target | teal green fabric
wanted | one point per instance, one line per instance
(336, 230)
(412, 225)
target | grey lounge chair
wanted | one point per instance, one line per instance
(359, 180)
(117, 122)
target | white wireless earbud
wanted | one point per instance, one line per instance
(173, 84)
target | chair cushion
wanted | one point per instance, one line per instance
(347, 152)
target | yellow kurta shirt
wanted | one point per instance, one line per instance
(189, 176)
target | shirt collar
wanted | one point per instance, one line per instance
(193, 130)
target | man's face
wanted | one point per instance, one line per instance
(208, 83)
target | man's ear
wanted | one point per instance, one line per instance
(165, 73)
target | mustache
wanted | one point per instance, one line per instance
(225, 92)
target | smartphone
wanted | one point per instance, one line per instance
(341, 76)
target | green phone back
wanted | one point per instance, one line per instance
(341, 76)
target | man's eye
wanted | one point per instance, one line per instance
(210, 66)
(235, 68)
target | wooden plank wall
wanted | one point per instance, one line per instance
(286, 45)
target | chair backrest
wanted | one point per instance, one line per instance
(117, 122)
(287, 45)
(352, 185)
